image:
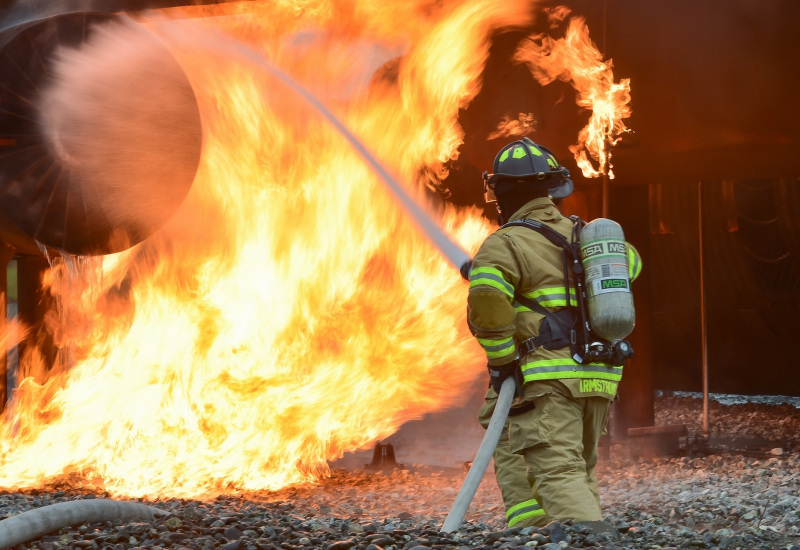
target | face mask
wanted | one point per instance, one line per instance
(488, 190)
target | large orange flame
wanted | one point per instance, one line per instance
(575, 59)
(289, 312)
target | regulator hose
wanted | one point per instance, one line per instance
(35, 523)
(482, 457)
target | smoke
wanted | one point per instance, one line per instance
(121, 116)
(443, 439)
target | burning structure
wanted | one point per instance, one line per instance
(274, 279)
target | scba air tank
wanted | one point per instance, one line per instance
(604, 256)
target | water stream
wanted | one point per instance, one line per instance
(29, 12)
(423, 219)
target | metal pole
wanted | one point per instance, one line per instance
(703, 308)
(482, 458)
(6, 254)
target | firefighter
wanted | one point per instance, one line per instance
(557, 417)
(517, 487)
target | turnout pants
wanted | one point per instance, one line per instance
(558, 441)
(517, 488)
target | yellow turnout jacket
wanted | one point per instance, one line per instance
(519, 260)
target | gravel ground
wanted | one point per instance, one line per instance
(731, 416)
(705, 501)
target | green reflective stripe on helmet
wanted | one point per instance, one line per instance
(524, 510)
(503, 156)
(519, 152)
(497, 348)
(535, 150)
(491, 277)
(551, 369)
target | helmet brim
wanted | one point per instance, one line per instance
(562, 189)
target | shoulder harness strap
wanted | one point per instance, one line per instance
(558, 329)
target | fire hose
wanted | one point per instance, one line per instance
(35, 523)
(482, 458)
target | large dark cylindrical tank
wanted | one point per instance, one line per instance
(91, 160)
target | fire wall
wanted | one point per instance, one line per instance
(715, 121)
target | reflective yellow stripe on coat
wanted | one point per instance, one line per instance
(492, 277)
(549, 297)
(498, 348)
(553, 369)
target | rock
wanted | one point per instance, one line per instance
(539, 539)
(722, 501)
(380, 540)
(342, 545)
(232, 533)
(557, 532)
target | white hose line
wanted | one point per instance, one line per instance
(482, 458)
(35, 523)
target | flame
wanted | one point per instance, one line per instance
(289, 312)
(523, 125)
(575, 59)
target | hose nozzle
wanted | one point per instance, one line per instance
(465, 269)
